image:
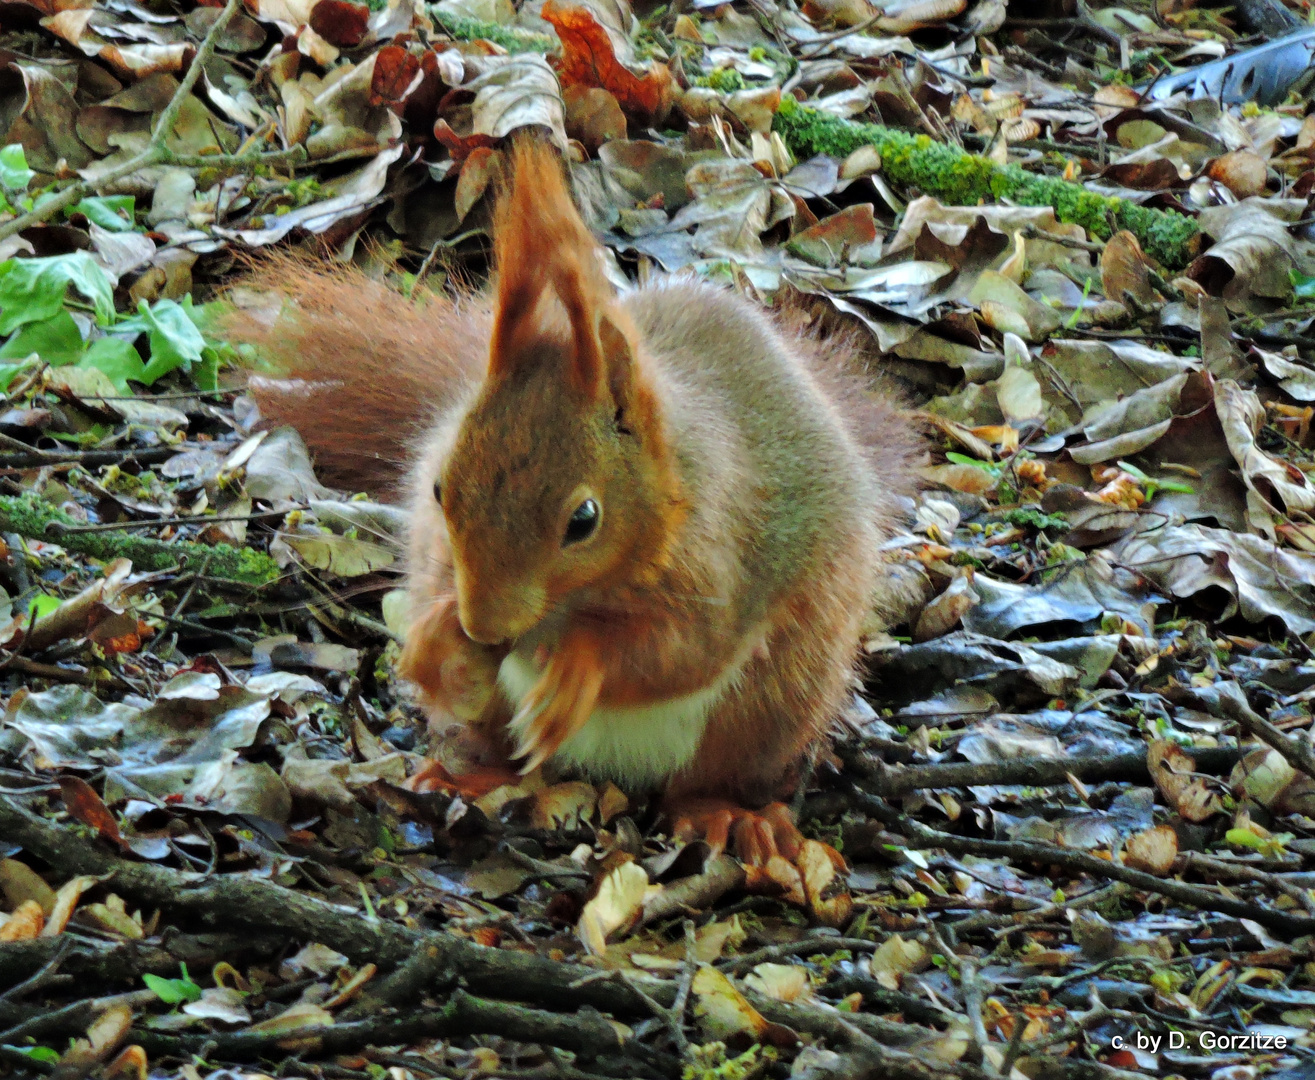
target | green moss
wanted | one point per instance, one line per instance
(37, 519)
(514, 41)
(723, 80)
(965, 179)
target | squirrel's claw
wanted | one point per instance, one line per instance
(557, 706)
(777, 860)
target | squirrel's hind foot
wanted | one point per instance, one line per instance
(777, 858)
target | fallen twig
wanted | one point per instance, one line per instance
(157, 152)
(1191, 895)
(270, 908)
(966, 179)
(890, 781)
(584, 1032)
(31, 516)
(1232, 705)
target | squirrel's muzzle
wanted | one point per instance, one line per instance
(495, 617)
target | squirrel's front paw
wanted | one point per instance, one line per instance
(457, 674)
(557, 706)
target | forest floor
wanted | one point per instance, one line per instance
(1073, 794)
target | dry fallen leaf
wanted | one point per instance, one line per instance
(896, 958)
(618, 903)
(66, 901)
(1124, 271)
(780, 982)
(722, 1011)
(1152, 851)
(24, 924)
(1241, 171)
(588, 59)
(1174, 772)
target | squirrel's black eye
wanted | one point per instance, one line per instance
(583, 522)
(438, 493)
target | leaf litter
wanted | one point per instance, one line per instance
(1075, 793)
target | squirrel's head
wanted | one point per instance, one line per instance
(560, 479)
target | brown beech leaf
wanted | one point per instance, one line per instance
(1124, 271)
(340, 22)
(396, 75)
(593, 116)
(1241, 171)
(589, 60)
(24, 924)
(459, 147)
(85, 805)
(66, 902)
(480, 168)
(723, 1012)
(1174, 772)
(617, 905)
(1152, 851)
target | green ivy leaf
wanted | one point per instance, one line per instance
(1302, 284)
(57, 340)
(43, 604)
(33, 290)
(175, 340)
(14, 173)
(112, 212)
(38, 1053)
(173, 991)
(9, 372)
(118, 359)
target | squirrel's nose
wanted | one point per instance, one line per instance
(498, 618)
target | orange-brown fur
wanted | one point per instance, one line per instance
(747, 478)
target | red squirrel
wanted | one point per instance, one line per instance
(645, 526)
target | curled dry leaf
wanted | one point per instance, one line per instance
(618, 903)
(1124, 272)
(1152, 851)
(19, 883)
(66, 902)
(593, 116)
(895, 959)
(23, 924)
(1267, 778)
(780, 982)
(944, 612)
(589, 59)
(340, 22)
(901, 16)
(303, 1016)
(515, 92)
(1241, 415)
(825, 889)
(104, 1035)
(481, 167)
(85, 805)
(1242, 172)
(1174, 772)
(1252, 253)
(722, 1011)
(395, 76)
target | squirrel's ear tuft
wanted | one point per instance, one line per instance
(543, 251)
(617, 350)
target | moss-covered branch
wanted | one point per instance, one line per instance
(37, 519)
(509, 37)
(964, 179)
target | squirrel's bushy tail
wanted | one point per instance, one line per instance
(360, 369)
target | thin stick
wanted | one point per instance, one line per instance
(156, 152)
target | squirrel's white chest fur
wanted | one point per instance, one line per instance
(637, 747)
